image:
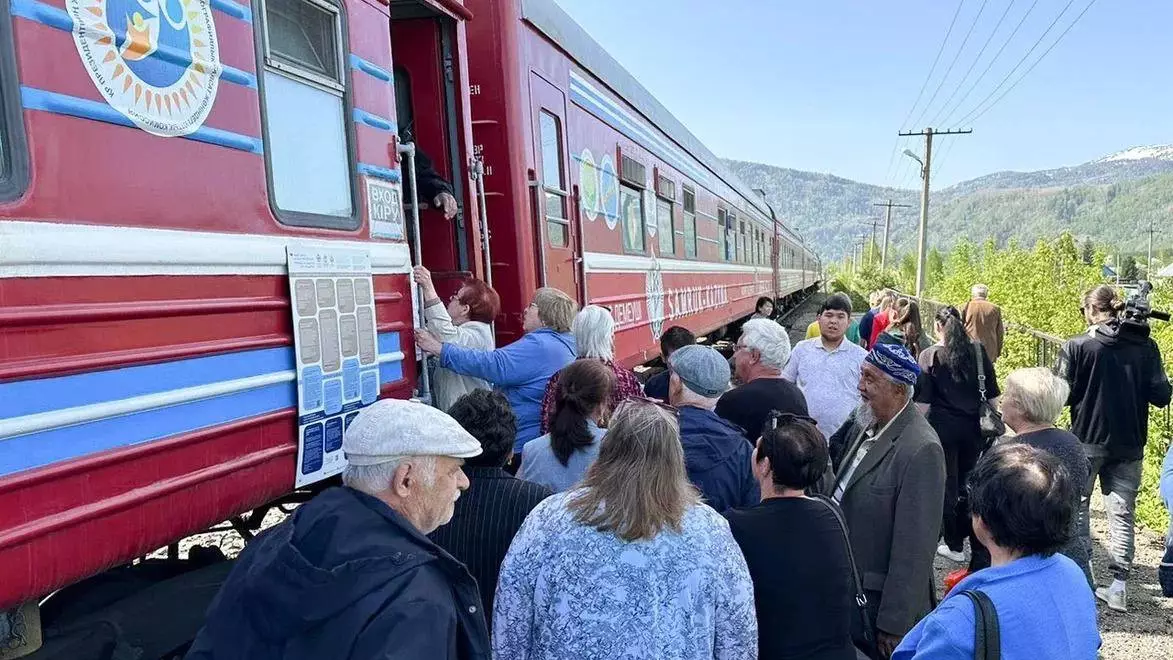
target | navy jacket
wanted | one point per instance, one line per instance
(346, 578)
(718, 459)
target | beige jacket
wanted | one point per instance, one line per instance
(447, 385)
(983, 322)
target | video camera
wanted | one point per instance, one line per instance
(1137, 307)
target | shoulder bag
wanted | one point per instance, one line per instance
(863, 633)
(989, 420)
(987, 635)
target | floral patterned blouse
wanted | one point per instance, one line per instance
(570, 592)
(626, 386)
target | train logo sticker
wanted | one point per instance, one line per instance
(654, 290)
(155, 61)
(609, 192)
(588, 185)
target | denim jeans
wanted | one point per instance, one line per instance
(1119, 483)
(1165, 571)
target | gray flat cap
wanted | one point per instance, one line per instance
(702, 370)
(393, 427)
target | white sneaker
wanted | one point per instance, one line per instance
(1115, 596)
(949, 554)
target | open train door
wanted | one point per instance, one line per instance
(553, 212)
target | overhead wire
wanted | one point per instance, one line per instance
(990, 65)
(1022, 61)
(1036, 62)
(953, 63)
(973, 65)
(924, 85)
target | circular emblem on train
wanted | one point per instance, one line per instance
(654, 292)
(609, 191)
(588, 185)
(155, 61)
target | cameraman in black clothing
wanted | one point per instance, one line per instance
(1115, 373)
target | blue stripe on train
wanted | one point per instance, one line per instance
(42, 448)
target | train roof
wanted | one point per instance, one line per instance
(560, 28)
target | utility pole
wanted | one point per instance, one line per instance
(925, 171)
(1148, 265)
(888, 228)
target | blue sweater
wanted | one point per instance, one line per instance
(520, 370)
(1045, 612)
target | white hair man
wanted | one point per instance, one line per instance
(761, 354)
(983, 321)
(352, 575)
(890, 484)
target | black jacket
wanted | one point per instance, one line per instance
(346, 578)
(487, 518)
(1115, 373)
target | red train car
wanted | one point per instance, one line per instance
(159, 159)
(594, 188)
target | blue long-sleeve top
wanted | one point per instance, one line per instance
(520, 371)
(1166, 482)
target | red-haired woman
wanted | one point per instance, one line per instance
(464, 322)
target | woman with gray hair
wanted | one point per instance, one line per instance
(630, 564)
(1031, 401)
(594, 337)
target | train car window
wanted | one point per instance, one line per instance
(730, 237)
(689, 199)
(741, 241)
(631, 205)
(553, 180)
(664, 225)
(307, 137)
(722, 221)
(13, 164)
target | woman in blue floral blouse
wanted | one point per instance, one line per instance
(629, 565)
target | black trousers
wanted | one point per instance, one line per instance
(961, 438)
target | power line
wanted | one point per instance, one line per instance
(953, 63)
(1036, 62)
(982, 51)
(1022, 61)
(990, 66)
(924, 85)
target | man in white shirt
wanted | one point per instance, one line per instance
(827, 367)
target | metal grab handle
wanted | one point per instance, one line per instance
(478, 177)
(425, 382)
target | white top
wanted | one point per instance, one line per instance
(829, 379)
(447, 385)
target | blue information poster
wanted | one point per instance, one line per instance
(337, 355)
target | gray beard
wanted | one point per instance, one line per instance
(865, 417)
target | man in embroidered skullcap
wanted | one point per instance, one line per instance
(352, 575)
(890, 483)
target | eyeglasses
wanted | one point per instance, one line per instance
(789, 418)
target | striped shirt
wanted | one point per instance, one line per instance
(487, 517)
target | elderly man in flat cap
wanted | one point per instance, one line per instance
(352, 576)
(716, 455)
(890, 483)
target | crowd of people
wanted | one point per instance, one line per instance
(548, 507)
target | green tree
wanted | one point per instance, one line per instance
(1129, 270)
(1089, 252)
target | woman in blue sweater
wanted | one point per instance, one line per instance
(521, 369)
(1022, 503)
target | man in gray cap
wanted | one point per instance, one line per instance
(716, 455)
(352, 576)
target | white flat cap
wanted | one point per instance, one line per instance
(393, 427)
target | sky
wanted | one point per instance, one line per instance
(825, 85)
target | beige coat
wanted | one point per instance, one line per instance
(983, 322)
(447, 385)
